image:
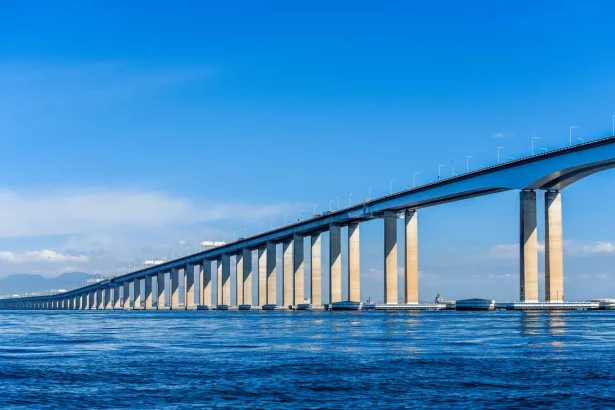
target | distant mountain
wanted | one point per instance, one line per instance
(23, 282)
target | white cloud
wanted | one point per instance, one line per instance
(44, 255)
(589, 249)
(510, 250)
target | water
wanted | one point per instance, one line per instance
(285, 360)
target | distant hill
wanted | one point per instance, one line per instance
(23, 282)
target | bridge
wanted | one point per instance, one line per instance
(550, 172)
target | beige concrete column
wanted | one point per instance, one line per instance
(77, 302)
(219, 281)
(136, 286)
(189, 285)
(239, 278)
(316, 270)
(554, 248)
(174, 288)
(226, 279)
(528, 291)
(205, 282)
(91, 302)
(262, 276)
(84, 300)
(390, 257)
(271, 274)
(108, 304)
(126, 295)
(99, 299)
(117, 303)
(288, 285)
(335, 263)
(298, 269)
(247, 276)
(411, 257)
(354, 263)
(148, 292)
(160, 290)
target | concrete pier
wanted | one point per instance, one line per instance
(390, 256)
(239, 278)
(554, 250)
(189, 286)
(136, 290)
(245, 257)
(84, 300)
(528, 246)
(174, 296)
(160, 290)
(226, 280)
(219, 281)
(262, 276)
(99, 299)
(298, 269)
(117, 303)
(108, 304)
(411, 257)
(148, 292)
(316, 270)
(126, 295)
(271, 274)
(288, 283)
(354, 263)
(335, 263)
(205, 283)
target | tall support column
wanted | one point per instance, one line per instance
(117, 303)
(354, 263)
(411, 257)
(528, 290)
(554, 248)
(189, 285)
(226, 279)
(239, 278)
(76, 302)
(108, 305)
(99, 299)
(136, 304)
(205, 282)
(262, 276)
(149, 299)
(126, 296)
(335, 263)
(316, 270)
(390, 255)
(247, 276)
(271, 274)
(160, 290)
(174, 297)
(84, 300)
(288, 284)
(91, 296)
(219, 281)
(298, 269)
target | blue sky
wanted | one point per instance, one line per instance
(128, 128)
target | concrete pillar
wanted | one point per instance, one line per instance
(108, 304)
(136, 286)
(226, 279)
(554, 248)
(174, 288)
(390, 257)
(148, 292)
(205, 282)
(411, 257)
(117, 303)
(271, 274)
(316, 270)
(262, 276)
(288, 284)
(84, 300)
(298, 269)
(160, 290)
(239, 281)
(335, 263)
(354, 263)
(99, 299)
(247, 276)
(126, 295)
(76, 302)
(188, 285)
(528, 291)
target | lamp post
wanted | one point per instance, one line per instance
(330, 206)
(468, 163)
(499, 148)
(299, 214)
(439, 170)
(285, 215)
(350, 199)
(272, 223)
(260, 230)
(574, 126)
(581, 139)
(391, 186)
(338, 202)
(414, 179)
(314, 210)
(234, 236)
(534, 138)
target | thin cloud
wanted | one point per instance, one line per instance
(44, 255)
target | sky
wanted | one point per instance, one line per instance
(137, 128)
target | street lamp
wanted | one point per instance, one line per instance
(285, 215)
(468, 163)
(499, 148)
(574, 126)
(260, 230)
(439, 168)
(534, 138)
(581, 139)
(315, 209)
(350, 199)
(414, 178)
(338, 202)
(299, 217)
(234, 236)
(511, 158)
(330, 206)
(391, 186)
(272, 223)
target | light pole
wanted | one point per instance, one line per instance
(315, 210)
(499, 148)
(574, 126)
(338, 202)
(234, 236)
(260, 230)
(285, 215)
(391, 186)
(245, 232)
(511, 158)
(534, 138)
(544, 149)
(439, 170)
(272, 223)
(369, 194)
(414, 179)
(330, 206)
(350, 199)
(299, 217)
(468, 163)
(581, 139)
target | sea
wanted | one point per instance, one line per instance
(306, 360)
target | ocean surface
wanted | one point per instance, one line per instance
(197, 359)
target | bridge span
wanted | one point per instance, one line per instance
(550, 172)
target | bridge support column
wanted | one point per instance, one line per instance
(136, 304)
(108, 304)
(126, 296)
(354, 263)
(288, 284)
(76, 302)
(271, 274)
(528, 291)
(316, 270)
(99, 299)
(174, 297)
(411, 257)
(554, 250)
(149, 299)
(262, 276)
(335, 263)
(205, 282)
(239, 279)
(246, 258)
(298, 269)
(117, 303)
(390, 255)
(160, 290)
(188, 285)
(84, 300)
(226, 279)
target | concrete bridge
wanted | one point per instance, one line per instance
(550, 172)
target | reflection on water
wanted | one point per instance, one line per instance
(306, 359)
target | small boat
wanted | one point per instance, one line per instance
(244, 307)
(346, 305)
(221, 307)
(270, 306)
(304, 306)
